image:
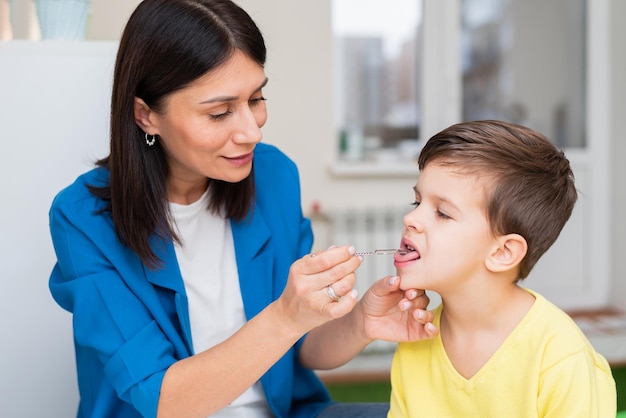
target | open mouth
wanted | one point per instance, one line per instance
(407, 253)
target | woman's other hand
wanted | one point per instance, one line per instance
(392, 314)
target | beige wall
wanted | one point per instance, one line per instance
(108, 18)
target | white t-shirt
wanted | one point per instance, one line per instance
(209, 269)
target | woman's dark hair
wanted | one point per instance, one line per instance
(165, 46)
(530, 184)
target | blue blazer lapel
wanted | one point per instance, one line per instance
(254, 262)
(170, 278)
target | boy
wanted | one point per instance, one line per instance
(491, 198)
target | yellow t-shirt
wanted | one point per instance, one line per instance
(545, 368)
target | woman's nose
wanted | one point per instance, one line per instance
(249, 127)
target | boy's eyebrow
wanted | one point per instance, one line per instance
(232, 98)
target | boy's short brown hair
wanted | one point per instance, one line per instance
(531, 190)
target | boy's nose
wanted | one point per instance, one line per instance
(411, 220)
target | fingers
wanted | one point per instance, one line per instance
(414, 298)
(338, 261)
(418, 300)
(331, 293)
(334, 267)
(337, 266)
(385, 286)
(423, 316)
(342, 306)
(426, 318)
(340, 287)
(324, 278)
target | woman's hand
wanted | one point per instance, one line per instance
(385, 312)
(389, 313)
(306, 302)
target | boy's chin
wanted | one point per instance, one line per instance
(405, 285)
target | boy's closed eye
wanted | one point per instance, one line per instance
(440, 214)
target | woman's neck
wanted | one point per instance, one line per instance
(184, 192)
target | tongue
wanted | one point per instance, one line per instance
(409, 256)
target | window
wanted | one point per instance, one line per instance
(524, 61)
(409, 68)
(377, 106)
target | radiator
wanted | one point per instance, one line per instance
(366, 229)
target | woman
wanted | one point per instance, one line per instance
(182, 255)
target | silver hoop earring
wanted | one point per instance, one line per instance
(150, 142)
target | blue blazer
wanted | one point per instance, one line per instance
(131, 323)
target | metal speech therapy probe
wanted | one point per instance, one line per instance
(381, 252)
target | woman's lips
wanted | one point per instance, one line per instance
(241, 159)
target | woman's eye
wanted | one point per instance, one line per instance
(258, 100)
(442, 215)
(221, 115)
(415, 203)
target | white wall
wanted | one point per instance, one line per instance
(54, 101)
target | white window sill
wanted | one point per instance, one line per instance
(347, 169)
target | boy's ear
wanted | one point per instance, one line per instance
(510, 251)
(143, 117)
